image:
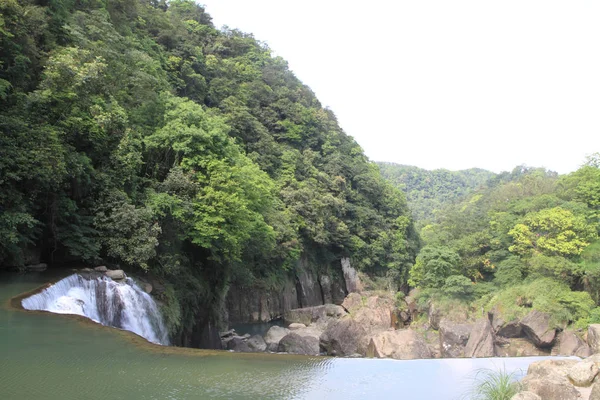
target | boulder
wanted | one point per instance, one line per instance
(257, 344)
(353, 283)
(511, 329)
(551, 387)
(434, 316)
(582, 373)
(293, 326)
(273, 336)
(595, 393)
(481, 340)
(116, 274)
(101, 268)
(312, 331)
(353, 302)
(238, 343)
(296, 344)
(526, 396)
(454, 338)
(517, 347)
(319, 314)
(536, 325)
(568, 344)
(344, 338)
(399, 344)
(593, 337)
(36, 267)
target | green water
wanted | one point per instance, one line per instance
(46, 356)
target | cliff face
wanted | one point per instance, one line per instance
(308, 285)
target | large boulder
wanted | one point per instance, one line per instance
(401, 345)
(481, 340)
(296, 344)
(238, 343)
(257, 344)
(526, 396)
(273, 336)
(560, 367)
(345, 338)
(582, 373)
(568, 343)
(595, 392)
(593, 337)
(510, 329)
(536, 325)
(454, 338)
(321, 315)
(551, 387)
(116, 274)
(101, 268)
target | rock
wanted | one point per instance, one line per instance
(544, 368)
(568, 343)
(517, 347)
(435, 316)
(583, 373)
(226, 334)
(296, 344)
(511, 329)
(101, 268)
(551, 387)
(481, 340)
(595, 359)
(295, 325)
(312, 331)
(526, 396)
(353, 283)
(319, 314)
(453, 338)
(353, 302)
(400, 344)
(344, 338)
(536, 325)
(274, 335)
(116, 274)
(595, 393)
(238, 343)
(325, 283)
(593, 337)
(257, 344)
(584, 351)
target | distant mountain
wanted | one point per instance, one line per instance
(430, 190)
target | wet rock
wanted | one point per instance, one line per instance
(593, 337)
(583, 373)
(256, 343)
(481, 340)
(536, 325)
(526, 396)
(274, 335)
(101, 268)
(296, 344)
(453, 338)
(399, 344)
(116, 274)
(36, 267)
(353, 283)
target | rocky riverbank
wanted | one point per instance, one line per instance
(375, 324)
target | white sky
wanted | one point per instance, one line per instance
(444, 83)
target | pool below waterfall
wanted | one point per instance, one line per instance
(46, 356)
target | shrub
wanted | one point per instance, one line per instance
(489, 384)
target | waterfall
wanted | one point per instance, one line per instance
(121, 305)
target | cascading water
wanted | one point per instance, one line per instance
(121, 305)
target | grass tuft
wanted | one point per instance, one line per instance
(489, 384)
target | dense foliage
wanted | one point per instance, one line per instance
(135, 133)
(427, 191)
(526, 240)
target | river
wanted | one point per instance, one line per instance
(46, 356)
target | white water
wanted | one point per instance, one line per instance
(121, 305)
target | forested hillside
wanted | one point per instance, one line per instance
(430, 190)
(529, 240)
(134, 133)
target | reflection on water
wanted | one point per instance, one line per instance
(45, 356)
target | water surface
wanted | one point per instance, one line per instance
(46, 356)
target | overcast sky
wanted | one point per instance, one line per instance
(444, 84)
